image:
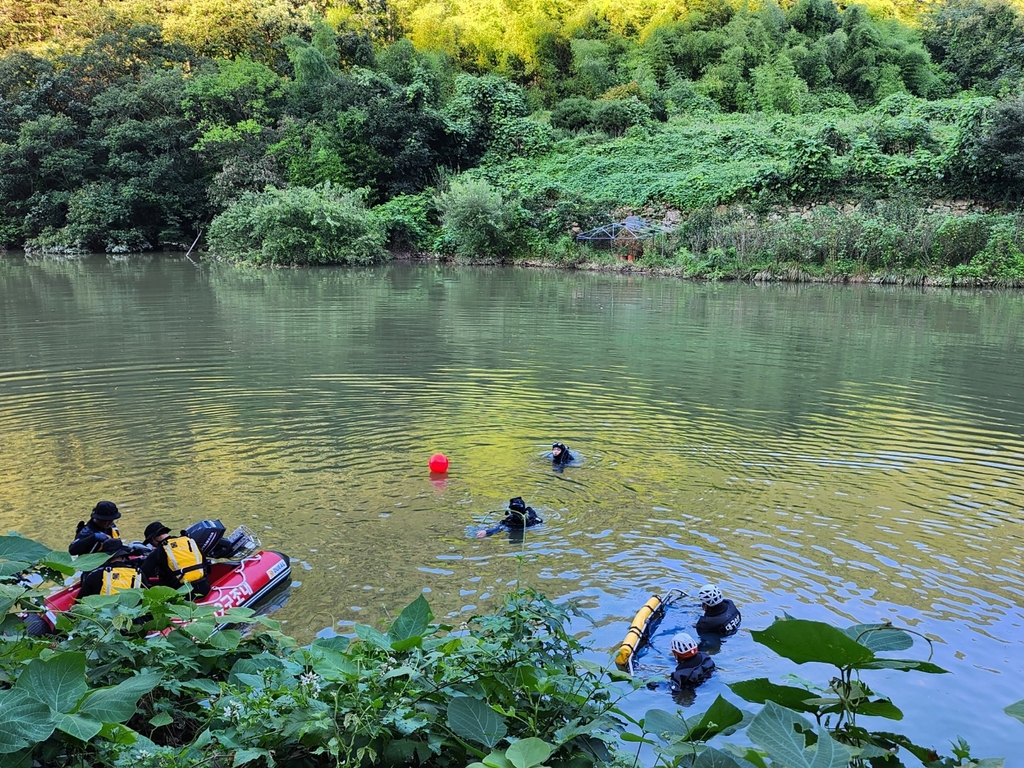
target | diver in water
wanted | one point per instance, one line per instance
(560, 455)
(693, 666)
(519, 518)
(721, 617)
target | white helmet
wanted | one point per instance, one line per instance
(683, 644)
(710, 595)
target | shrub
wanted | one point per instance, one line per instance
(478, 222)
(1002, 259)
(615, 116)
(572, 114)
(408, 221)
(301, 225)
(960, 238)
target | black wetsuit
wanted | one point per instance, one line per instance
(516, 521)
(156, 571)
(565, 457)
(693, 671)
(723, 618)
(90, 537)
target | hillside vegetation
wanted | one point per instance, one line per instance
(803, 138)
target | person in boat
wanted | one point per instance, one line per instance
(156, 534)
(721, 616)
(693, 666)
(560, 455)
(90, 536)
(519, 518)
(117, 574)
(180, 560)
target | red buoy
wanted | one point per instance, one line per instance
(439, 463)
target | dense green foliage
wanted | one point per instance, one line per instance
(508, 689)
(300, 225)
(125, 126)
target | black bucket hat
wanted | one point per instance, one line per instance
(106, 510)
(115, 548)
(153, 530)
(517, 504)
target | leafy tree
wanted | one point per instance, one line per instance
(814, 18)
(592, 67)
(999, 149)
(234, 97)
(249, 28)
(981, 42)
(777, 87)
(480, 108)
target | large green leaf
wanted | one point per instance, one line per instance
(713, 758)
(118, 703)
(22, 759)
(904, 666)
(9, 595)
(336, 643)
(880, 637)
(90, 561)
(21, 549)
(761, 689)
(527, 753)
(407, 630)
(720, 716)
(24, 720)
(805, 641)
(880, 708)
(82, 728)
(203, 685)
(11, 567)
(472, 719)
(61, 562)
(58, 682)
(1016, 710)
(225, 640)
(332, 665)
(243, 756)
(829, 752)
(372, 636)
(496, 760)
(664, 724)
(779, 732)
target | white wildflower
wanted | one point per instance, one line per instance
(311, 680)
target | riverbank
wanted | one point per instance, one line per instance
(942, 243)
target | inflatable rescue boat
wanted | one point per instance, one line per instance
(247, 579)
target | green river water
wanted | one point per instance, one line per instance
(850, 454)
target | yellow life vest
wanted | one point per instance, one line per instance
(117, 578)
(185, 559)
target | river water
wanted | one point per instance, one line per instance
(850, 454)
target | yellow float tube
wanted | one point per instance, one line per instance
(637, 630)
